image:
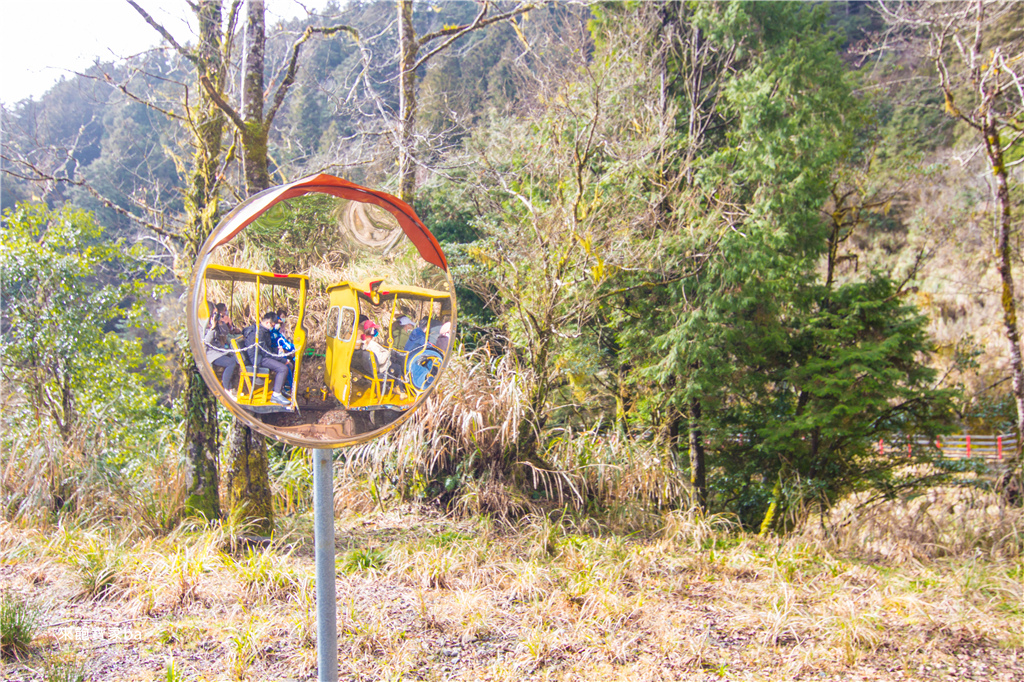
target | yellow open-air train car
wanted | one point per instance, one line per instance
(253, 383)
(352, 375)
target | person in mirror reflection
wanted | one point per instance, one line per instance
(368, 333)
(401, 330)
(224, 325)
(267, 351)
(444, 341)
(417, 337)
(435, 330)
(215, 340)
(284, 347)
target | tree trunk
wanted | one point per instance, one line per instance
(408, 49)
(248, 478)
(698, 472)
(203, 443)
(201, 432)
(994, 151)
(526, 442)
(255, 133)
(250, 498)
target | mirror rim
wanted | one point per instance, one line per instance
(237, 219)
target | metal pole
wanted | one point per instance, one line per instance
(323, 542)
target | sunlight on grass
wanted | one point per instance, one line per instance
(691, 596)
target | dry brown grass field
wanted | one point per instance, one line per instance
(906, 593)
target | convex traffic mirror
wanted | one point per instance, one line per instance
(321, 313)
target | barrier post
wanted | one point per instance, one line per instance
(881, 448)
(323, 549)
(999, 447)
(968, 446)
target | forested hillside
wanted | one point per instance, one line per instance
(742, 243)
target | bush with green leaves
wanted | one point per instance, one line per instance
(81, 399)
(783, 373)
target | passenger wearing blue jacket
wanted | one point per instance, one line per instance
(417, 337)
(284, 347)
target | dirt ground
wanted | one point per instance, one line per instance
(423, 597)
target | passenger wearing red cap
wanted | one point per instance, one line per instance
(368, 341)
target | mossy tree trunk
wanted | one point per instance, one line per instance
(202, 214)
(254, 131)
(408, 49)
(247, 477)
(1004, 264)
(248, 480)
(980, 75)
(247, 470)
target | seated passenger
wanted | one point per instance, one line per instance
(285, 349)
(215, 339)
(434, 331)
(224, 321)
(400, 332)
(368, 341)
(266, 353)
(444, 341)
(417, 337)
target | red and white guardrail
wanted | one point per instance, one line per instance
(992, 448)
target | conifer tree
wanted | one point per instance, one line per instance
(788, 377)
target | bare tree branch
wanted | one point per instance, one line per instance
(229, 34)
(454, 33)
(289, 77)
(221, 103)
(187, 54)
(123, 88)
(37, 174)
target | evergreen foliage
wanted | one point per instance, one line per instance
(776, 358)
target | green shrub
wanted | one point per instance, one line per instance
(369, 560)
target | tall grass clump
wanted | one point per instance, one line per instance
(100, 471)
(462, 448)
(18, 621)
(60, 670)
(98, 559)
(265, 575)
(465, 435)
(927, 524)
(291, 479)
(615, 469)
(474, 417)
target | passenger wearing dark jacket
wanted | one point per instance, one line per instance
(267, 350)
(215, 340)
(417, 337)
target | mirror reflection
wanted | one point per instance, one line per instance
(320, 320)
